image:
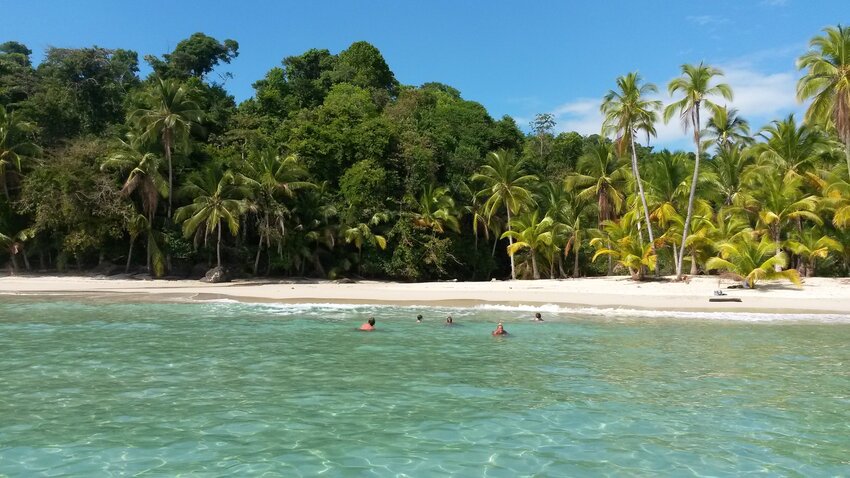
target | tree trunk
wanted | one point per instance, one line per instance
(14, 258)
(259, 250)
(130, 255)
(534, 272)
(511, 243)
(360, 261)
(776, 235)
(847, 154)
(696, 126)
(166, 143)
(575, 264)
(218, 247)
(694, 269)
(642, 195)
(810, 270)
(561, 272)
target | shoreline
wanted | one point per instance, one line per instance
(818, 296)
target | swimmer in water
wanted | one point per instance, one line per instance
(500, 330)
(537, 317)
(449, 321)
(369, 325)
(419, 319)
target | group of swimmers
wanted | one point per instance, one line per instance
(369, 325)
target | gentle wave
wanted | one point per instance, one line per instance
(559, 310)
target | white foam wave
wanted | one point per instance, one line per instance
(549, 309)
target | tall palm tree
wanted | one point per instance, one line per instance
(827, 82)
(273, 179)
(531, 233)
(696, 86)
(169, 116)
(726, 128)
(600, 176)
(728, 166)
(219, 198)
(14, 145)
(505, 185)
(627, 113)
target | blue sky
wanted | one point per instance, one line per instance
(516, 58)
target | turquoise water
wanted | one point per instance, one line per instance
(225, 389)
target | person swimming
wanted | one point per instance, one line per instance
(419, 319)
(369, 325)
(500, 330)
(537, 317)
(449, 321)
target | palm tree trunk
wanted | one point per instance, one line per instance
(847, 154)
(166, 143)
(694, 269)
(259, 250)
(642, 195)
(6, 190)
(511, 243)
(575, 264)
(776, 234)
(696, 126)
(130, 255)
(535, 273)
(14, 258)
(218, 246)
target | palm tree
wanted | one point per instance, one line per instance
(618, 242)
(273, 178)
(600, 176)
(750, 260)
(14, 245)
(789, 147)
(628, 113)
(505, 185)
(170, 115)
(728, 168)
(531, 233)
(144, 175)
(435, 210)
(14, 145)
(695, 85)
(810, 245)
(827, 83)
(218, 198)
(136, 225)
(726, 128)
(362, 233)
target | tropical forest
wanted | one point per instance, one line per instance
(334, 169)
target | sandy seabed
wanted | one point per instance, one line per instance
(817, 296)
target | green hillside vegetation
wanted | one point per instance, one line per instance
(336, 169)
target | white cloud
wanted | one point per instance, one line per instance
(774, 3)
(707, 20)
(759, 96)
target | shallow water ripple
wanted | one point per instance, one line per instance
(111, 389)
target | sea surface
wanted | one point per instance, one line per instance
(99, 388)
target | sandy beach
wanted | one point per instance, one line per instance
(818, 295)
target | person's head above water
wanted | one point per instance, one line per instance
(537, 316)
(449, 319)
(371, 321)
(419, 318)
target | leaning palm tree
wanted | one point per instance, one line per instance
(827, 83)
(219, 198)
(505, 185)
(531, 233)
(169, 116)
(696, 86)
(14, 145)
(751, 260)
(628, 113)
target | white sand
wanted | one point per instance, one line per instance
(818, 295)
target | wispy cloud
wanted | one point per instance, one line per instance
(707, 20)
(774, 3)
(759, 96)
